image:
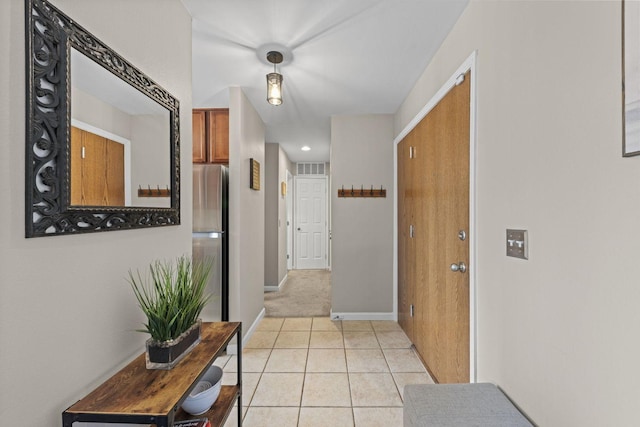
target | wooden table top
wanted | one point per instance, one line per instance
(137, 390)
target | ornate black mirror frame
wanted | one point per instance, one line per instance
(50, 36)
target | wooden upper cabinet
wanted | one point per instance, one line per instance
(219, 128)
(199, 137)
(211, 135)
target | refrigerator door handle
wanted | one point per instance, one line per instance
(208, 234)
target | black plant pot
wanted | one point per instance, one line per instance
(167, 354)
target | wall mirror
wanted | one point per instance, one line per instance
(102, 142)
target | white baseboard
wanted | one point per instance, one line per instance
(232, 348)
(362, 316)
(271, 288)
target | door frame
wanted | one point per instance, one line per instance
(326, 217)
(468, 65)
(289, 204)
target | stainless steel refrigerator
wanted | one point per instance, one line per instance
(210, 240)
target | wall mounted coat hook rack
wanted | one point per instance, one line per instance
(154, 192)
(362, 192)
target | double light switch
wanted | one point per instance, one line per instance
(517, 244)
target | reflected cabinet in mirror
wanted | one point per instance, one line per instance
(102, 137)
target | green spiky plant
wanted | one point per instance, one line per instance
(174, 297)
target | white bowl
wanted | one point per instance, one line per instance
(205, 393)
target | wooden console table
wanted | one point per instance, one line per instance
(139, 395)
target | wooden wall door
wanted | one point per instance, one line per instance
(97, 170)
(433, 196)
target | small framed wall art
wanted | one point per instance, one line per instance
(254, 175)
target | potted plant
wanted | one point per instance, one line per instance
(172, 296)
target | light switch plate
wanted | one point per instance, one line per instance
(517, 244)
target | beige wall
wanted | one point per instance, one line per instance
(271, 231)
(275, 253)
(67, 315)
(246, 211)
(557, 332)
(284, 165)
(362, 229)
(95, 112)
(149, 148)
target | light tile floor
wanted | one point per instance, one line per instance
(310, 372)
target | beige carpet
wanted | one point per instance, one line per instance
(307, 293)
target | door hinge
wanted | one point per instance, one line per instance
(411, 231)
(412, 152)
(411, 310)
(82, 155)
(459, 79)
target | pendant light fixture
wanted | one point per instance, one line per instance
(274, 80)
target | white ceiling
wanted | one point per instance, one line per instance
(341, 57)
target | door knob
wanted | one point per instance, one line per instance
(461, 267)
(298, 228)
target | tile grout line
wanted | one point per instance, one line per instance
(262, 371)
(386, 360)
(304, 377)
(346, 362)
(412, 349)
(393, 378)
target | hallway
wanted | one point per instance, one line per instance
(306, 293)
(318, 372)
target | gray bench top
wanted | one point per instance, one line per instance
(459, 405)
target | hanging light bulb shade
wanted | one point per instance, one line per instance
(274, 80)
(274, 88)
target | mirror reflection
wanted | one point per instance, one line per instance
(126, 128)
(120, 141)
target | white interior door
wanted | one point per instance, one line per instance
(311, 223)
